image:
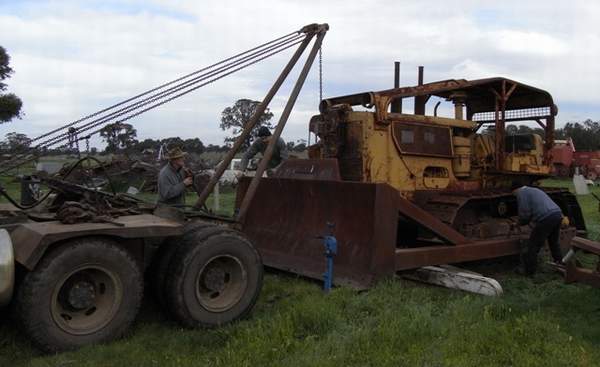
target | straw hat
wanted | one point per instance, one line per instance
(175, 153)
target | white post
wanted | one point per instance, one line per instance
(216, 198)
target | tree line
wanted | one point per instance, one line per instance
(585, 135)
(122, 137)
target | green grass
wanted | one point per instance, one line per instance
(539, 322)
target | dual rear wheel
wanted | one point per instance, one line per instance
(214, 276)
(89, 290)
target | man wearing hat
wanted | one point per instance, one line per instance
(537, 207)
(280, 152)
(172, 179)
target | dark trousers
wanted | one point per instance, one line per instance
(546, 229)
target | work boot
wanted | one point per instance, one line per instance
(557, 266)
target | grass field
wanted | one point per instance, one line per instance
(537, 322)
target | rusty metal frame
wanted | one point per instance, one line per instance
(413, 258)
(500, 123)
(506, 95)
(262, 166)
(34, 238)
(528, 96)
(310, 30)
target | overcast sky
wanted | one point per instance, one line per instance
(72, 58)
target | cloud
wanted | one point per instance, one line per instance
(529, 43)
(72, 58)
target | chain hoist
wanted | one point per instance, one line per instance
(320, 83)
(320, 74)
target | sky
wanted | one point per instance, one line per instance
(72, 58)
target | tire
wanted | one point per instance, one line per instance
(214, 278)
(86, 291)
(162, 260)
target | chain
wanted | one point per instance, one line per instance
(320, 82)
(74, 141)
(71, 136)
(87, 145)
(320, 74)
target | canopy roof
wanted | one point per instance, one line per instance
(478, 94)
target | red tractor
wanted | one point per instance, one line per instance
(562, 157)
(565, 159)
(588, 163)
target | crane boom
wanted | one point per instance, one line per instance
(127, 109)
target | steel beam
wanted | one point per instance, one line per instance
(262, 166)
(411, 258)
(252, 122)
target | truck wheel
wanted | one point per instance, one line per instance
(162, 260)
(85, 292)
(214, 278)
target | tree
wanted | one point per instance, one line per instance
(118, 136)
(216, 148)
(235, 117)
(524, 129)
(585, 135)
(172, 142)
(10, 104)
(193, 146)
(147, 144)
(17, 142)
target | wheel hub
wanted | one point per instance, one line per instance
(86, 299)
(82, 295)
(221, 283)
(215, 279)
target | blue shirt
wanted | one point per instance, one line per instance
(534, 204)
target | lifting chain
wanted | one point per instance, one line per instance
(320, 74)
(74, 141)
(320, 82)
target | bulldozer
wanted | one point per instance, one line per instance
(408, 190)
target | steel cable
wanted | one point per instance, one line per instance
(156, 97)
(292, 35)
(167, 92)
(277, 47)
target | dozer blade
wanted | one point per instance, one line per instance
(456, 278)
(286, 217)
